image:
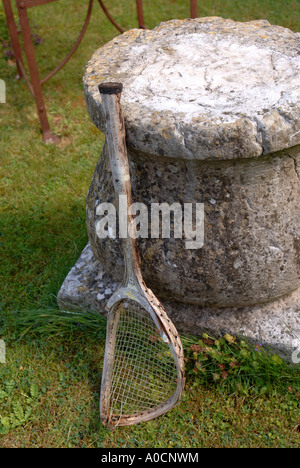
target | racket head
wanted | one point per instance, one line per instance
(143, 372)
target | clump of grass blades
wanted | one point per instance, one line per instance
(54, 322)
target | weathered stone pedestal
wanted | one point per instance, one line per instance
(212, 112)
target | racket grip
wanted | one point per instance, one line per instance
(116, 137)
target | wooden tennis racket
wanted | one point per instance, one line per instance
(143, 371)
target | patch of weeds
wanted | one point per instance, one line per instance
(234, 365)
(16, 404)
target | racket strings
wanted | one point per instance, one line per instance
(144, 372)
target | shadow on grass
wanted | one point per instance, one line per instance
(38, 247)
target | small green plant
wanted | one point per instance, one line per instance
(18, 405)
(235, 365)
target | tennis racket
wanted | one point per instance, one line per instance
(143, 370)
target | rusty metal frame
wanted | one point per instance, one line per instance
(194, 8)
(33, 81)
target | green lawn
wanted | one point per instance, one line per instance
(49, 387)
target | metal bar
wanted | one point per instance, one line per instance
(26, 77)
(194, 8)
(113, 22)
(13, 34)
(34, 72)
(33, 3)
(140, 14)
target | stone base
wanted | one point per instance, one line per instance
(275, 325)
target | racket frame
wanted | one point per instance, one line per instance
(133, 286)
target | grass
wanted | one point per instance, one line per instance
(49, 392)
(49, 387)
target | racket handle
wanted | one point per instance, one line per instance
(116, 138)
(117, 151)
(111, 88)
